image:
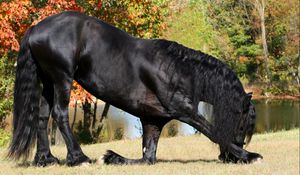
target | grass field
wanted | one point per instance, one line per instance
(178, 156)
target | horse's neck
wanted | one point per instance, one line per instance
(216, 89)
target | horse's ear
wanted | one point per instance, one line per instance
(249, 95)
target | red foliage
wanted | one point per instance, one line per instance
(54, 7)
(16, 16)
(79, 94)
(12, 23)
(140, 18)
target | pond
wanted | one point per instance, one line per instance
(272, 115)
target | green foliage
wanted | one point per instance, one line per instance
(284, 76)
(231, 31)
(172, 128)
(7, 70)
(4, 137)
(283, 41)
(139, 18)
(233, 20)
(105, 134)
(190, 28)
(39, 3)
(85, 132)
(118, 134)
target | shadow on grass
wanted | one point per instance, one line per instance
(63, 162)
(187, 161)
(24, 164)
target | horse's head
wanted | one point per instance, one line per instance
(246, 125)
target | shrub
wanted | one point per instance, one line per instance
(4, 137)
(7, 72)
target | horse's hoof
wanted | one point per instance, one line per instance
(43, 160)
(251, 158)
(230, 158)
(85, 164)
(78, 158)
(254, 157)
(113, 158)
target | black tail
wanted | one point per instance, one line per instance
(26, 103)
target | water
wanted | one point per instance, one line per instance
(272, 115)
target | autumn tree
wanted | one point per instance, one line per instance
(139, 18)
(261, 40)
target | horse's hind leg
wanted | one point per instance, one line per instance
(151, 133)
(60, 111)
(43, 156)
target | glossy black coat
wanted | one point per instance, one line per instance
(155, 80)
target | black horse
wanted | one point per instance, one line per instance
(156, 80)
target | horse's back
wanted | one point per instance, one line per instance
(63, 40)
(105, 60)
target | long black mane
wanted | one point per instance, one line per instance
(217, 85)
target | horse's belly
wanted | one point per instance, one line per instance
(132, 97)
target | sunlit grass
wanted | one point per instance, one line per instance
(179, 156)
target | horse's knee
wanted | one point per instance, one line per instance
(61, 120)
(44, 115)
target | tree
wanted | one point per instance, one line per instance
(139, 18)
(260, 6)
(237, 39)
(261, 40)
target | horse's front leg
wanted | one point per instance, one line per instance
(232, 152)
(238, 155)
(151, 132)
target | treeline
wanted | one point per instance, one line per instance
(259, 39)
(139, 18)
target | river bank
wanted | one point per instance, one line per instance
(258, 94)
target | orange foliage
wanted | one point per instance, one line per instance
(54, 7)
(79, 94)
(12, 23)
(140, 18)
(17, 16)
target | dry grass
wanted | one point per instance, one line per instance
(179, 156)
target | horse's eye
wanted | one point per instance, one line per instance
(241, 128)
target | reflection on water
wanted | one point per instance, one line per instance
(272, 115)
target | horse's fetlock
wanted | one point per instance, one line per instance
(77, 158)
(44, 159)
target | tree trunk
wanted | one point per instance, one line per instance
(298, 78)
(74, 116)
(261, 10)
(105, 111)
(260, 6)
(94, 115)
